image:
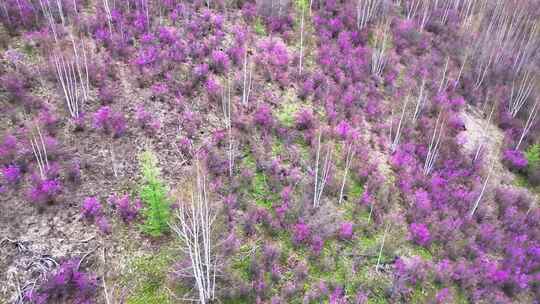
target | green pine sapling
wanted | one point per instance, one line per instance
(533, 164)
(156, 205)
(533, 156)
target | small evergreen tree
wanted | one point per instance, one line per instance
(533, 164)
(157, 207)
(533, 156)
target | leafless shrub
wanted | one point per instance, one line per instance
(321, 174)
(379, 57)
(367, 11)
(433, 150)
(195, 229)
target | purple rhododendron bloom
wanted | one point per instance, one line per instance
(346, 231)
(230, 200)
(304, 119)
(263, 116)
(343, 129)
(147, 56)
(301, 233)
(109, 121)
(103, 224)
(128, 209)
(91, 207)
(443, 296)
(220, 61)
(338, 296)
(317, 244)
(44, 191)
(12, 174)
(420, 233)
(67, 282)
(201, 71)
(212, 87)
(515, 159)
(142, 116)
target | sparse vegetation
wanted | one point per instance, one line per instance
(147, 278)
(345, 151)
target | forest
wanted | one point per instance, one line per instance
(269, 151)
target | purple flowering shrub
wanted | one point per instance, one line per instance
(73, 172)
(515, 160)
(15, 84)
(109, 121)
(92, 211)
(43, 191)
(263, 117)
(103, 224)
(274, 58)
(346, 231)
(91, 208)
(106, 94)
(127, 209)
(8, 148)
(67, 283)
(301, 233)
(420, 234)
(304, 119)
(191, 122)
(146, 120)
(200, 72)
(20, 15)
(220, 61)
(11, 174)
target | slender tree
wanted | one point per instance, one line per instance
(321, 174)
(378, 56)
(433, 150)
(528, 124)
(194, 229)
(348, 159)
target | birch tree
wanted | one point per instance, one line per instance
(528, 124)
(194, 229)
(433, 149)
(378, 56)
(348, 159)
(321, 172)
(366, 11)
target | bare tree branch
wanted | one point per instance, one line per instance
(194, 229)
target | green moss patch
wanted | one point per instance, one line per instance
(147, 278)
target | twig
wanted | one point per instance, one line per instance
(483, 189)
(382, 246)
(113, 161)
(88, 239)
(85, 256)
(104, 277)
(19, 244)
(347, 166)
(395, 142)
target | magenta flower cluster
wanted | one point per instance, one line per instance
(66, 283)
(109, 121)
(92, 211)
(127, 209)
(420, 234)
